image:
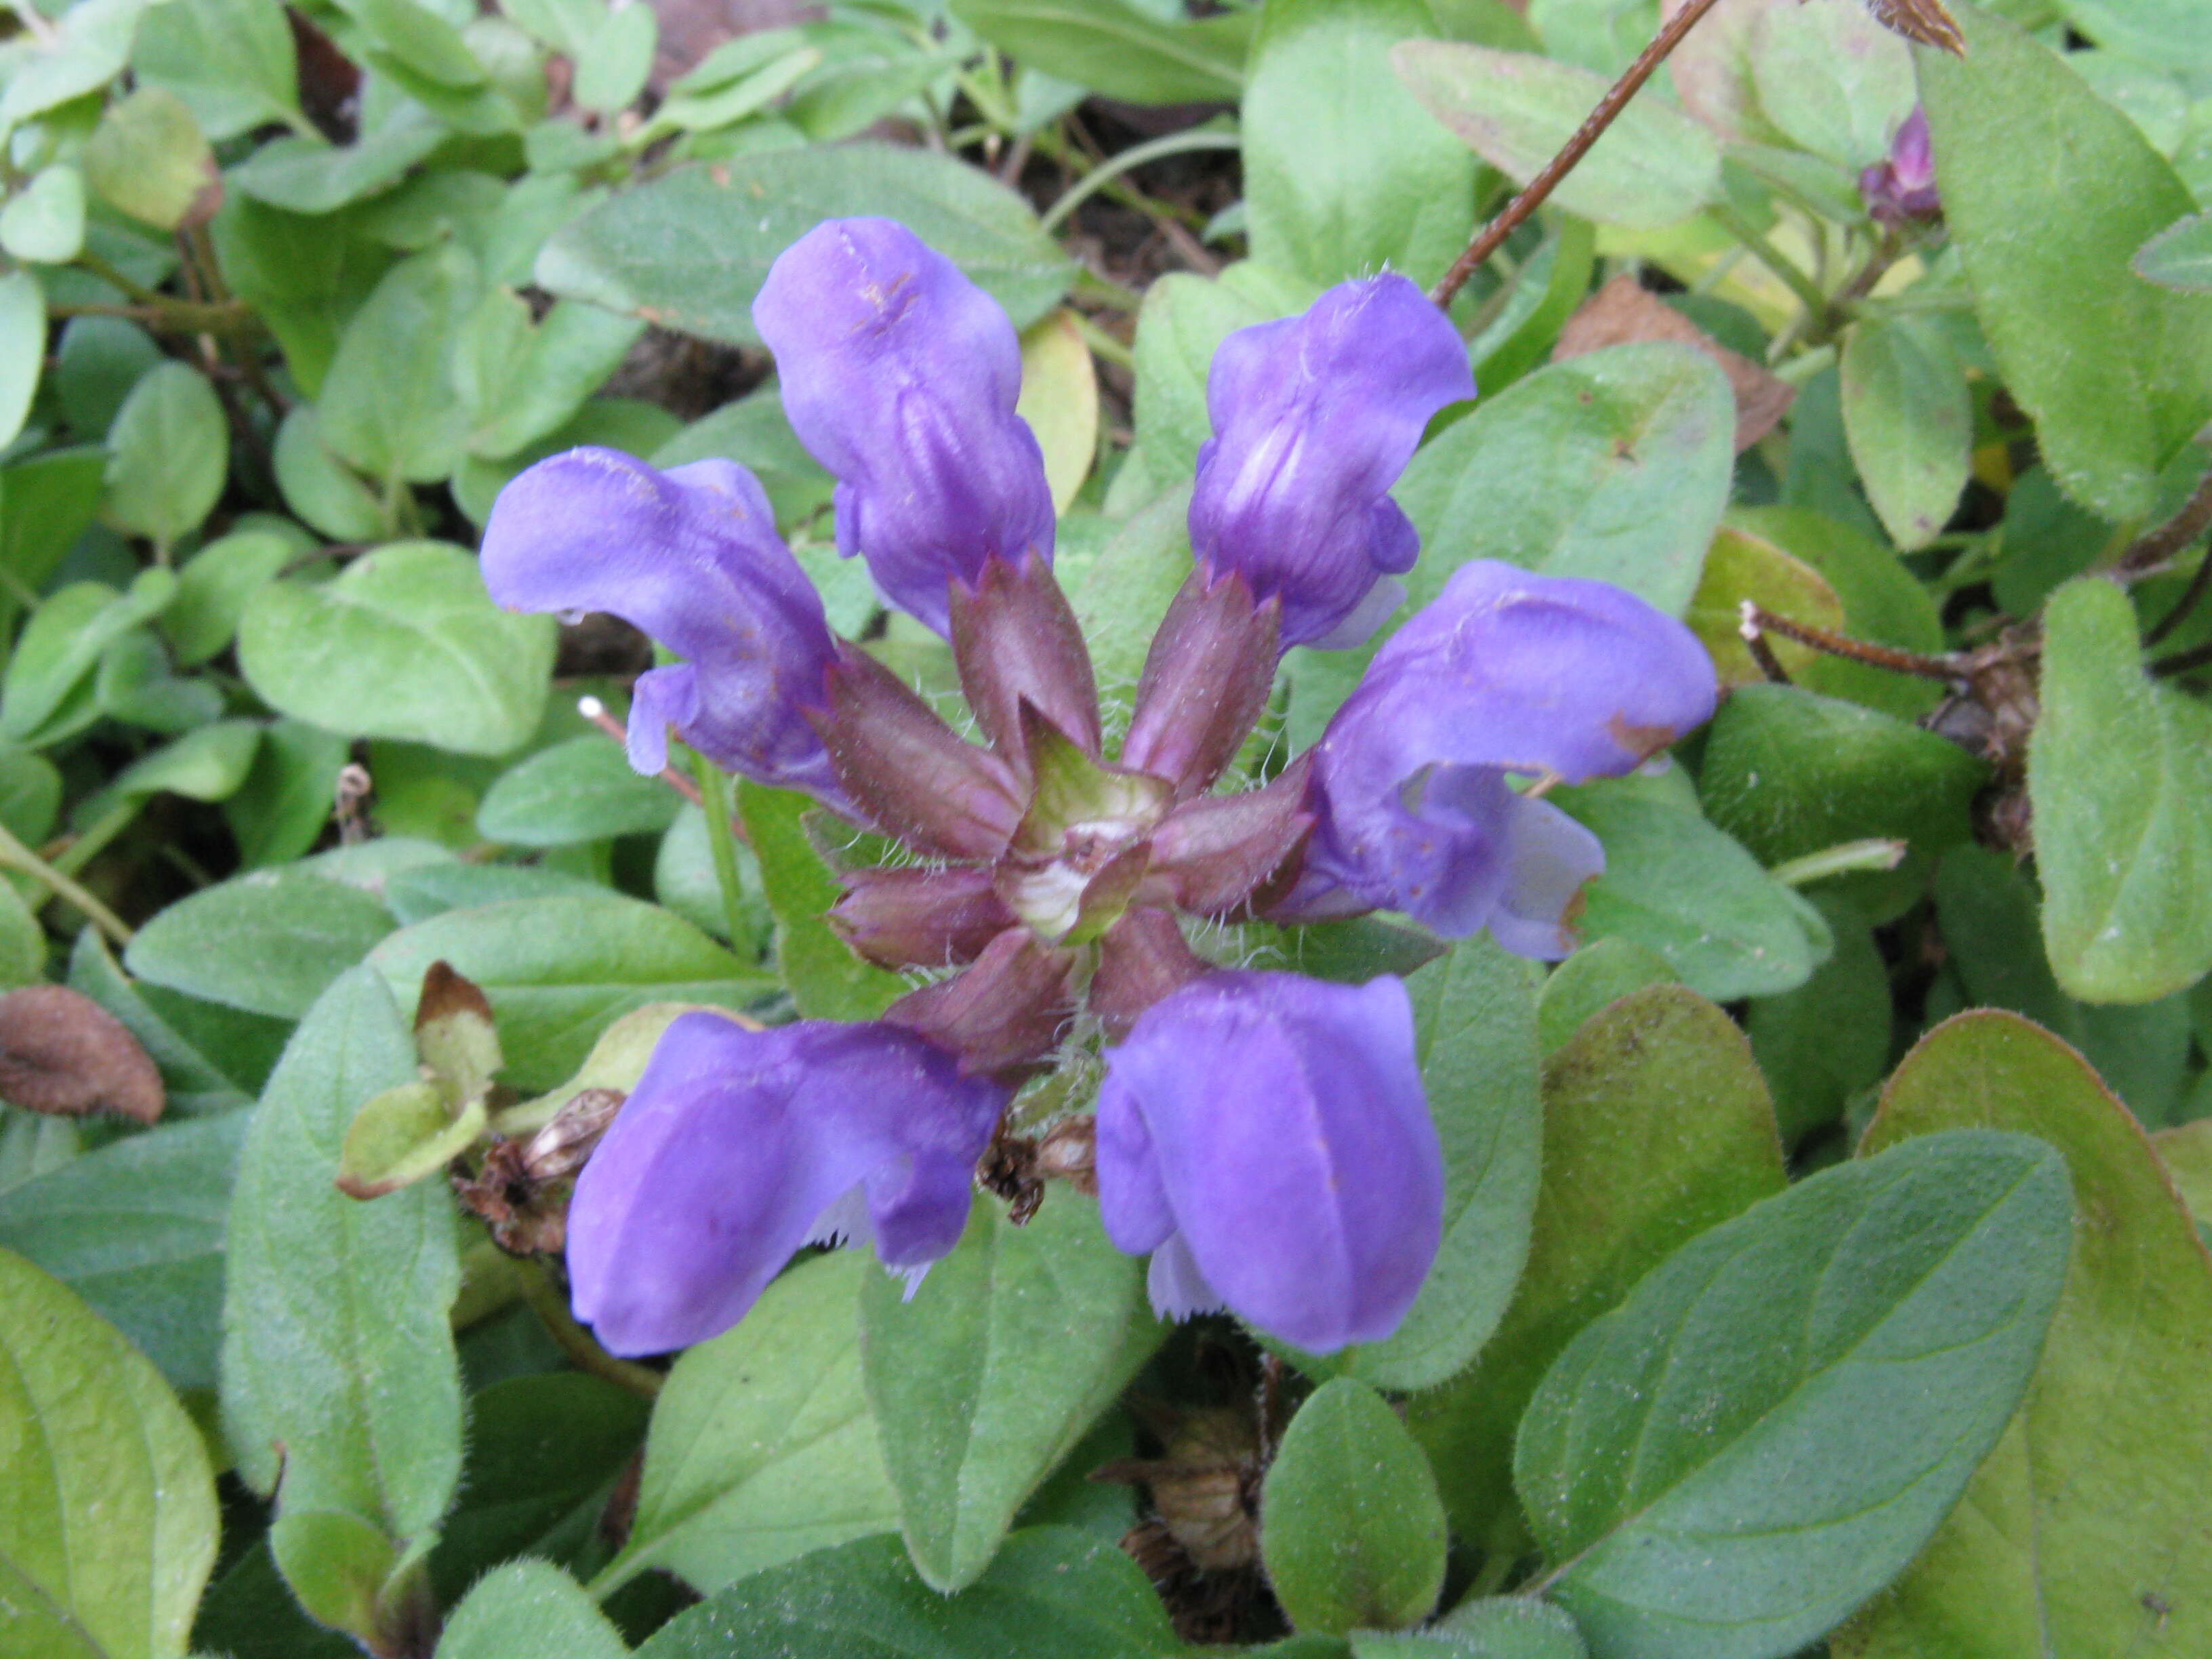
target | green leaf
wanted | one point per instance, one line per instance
(1678, 886)
(1614, 464)
(307, 176)
(2048, 192)
(612, 70)
(169, 453)
(519, 379)
(1593, 979)
(46, 694)
(1788, 772)
(1738, 567)
(1355, 1532)
(690, 250)
(44, 222)
(1656, 1126)
(405, 643)
(86, 51)
(149, 158)
(1828, 1041)
(22, 346)
(278, 813)
(762, 1448)
(528, 1607)
(30, 794)
(208, 763)
(338, 1362)
(1654, 166)
(194, 1083)
(1118, 50)
(1344, 171)
(213, 587)
(1492, 1627)
(48, 500)
(269, 942)
(404, 1134)
(232, 62)
(2180, 256)
(2119, 775)
(319, 487)
(827, 980)
(136, 1228)
(1834, 80)
(984, 1377)
(1474, 1022)
(2079, 1535)
(1909, 416)
(1778, 1418)
(107, 1510)
(545, 1452)
(389, 404)
(577, 791)
(1121, 594)
(559, 969)
(1070, 1596)
(1986, 906)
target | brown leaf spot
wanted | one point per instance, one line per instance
(62, 1052)
(445, 992)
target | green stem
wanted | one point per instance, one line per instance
(15, 855)
(1102, 343)
(722, 844)
(551, 1307)
(1850, 858)
(1806, 290)
(1175, 143)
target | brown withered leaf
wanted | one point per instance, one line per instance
(1621, 312)
(61, 1053)
(1925, 21)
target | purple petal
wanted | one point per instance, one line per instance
(1506, 672)
(738, 1145)
(1280, 1123)
(1903, 186)
(692, 557)
(1314, 419)
(900, 376)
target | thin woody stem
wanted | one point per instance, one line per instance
(1754, 640)
(1538, 189)
(2175, 534)
(1756, 618)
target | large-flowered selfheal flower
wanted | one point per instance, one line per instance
(1267, 1138)
(900, 376)
(739, 1145)
(1314, 418)
(692, 557)
(1506, 672)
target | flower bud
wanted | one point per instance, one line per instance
(1902, 187)
(1267, 1138)
(1507, 672)
(900, 376)
(692, 557)
(738, 1145)
(1314, 418)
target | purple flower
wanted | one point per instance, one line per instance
(1314, 419)
(900, 376)
(1902, 187)
(1265, 1137)
(692, 557)
(1506, 672)
(738, 1145)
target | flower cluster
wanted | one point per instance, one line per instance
(1263, 1136)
